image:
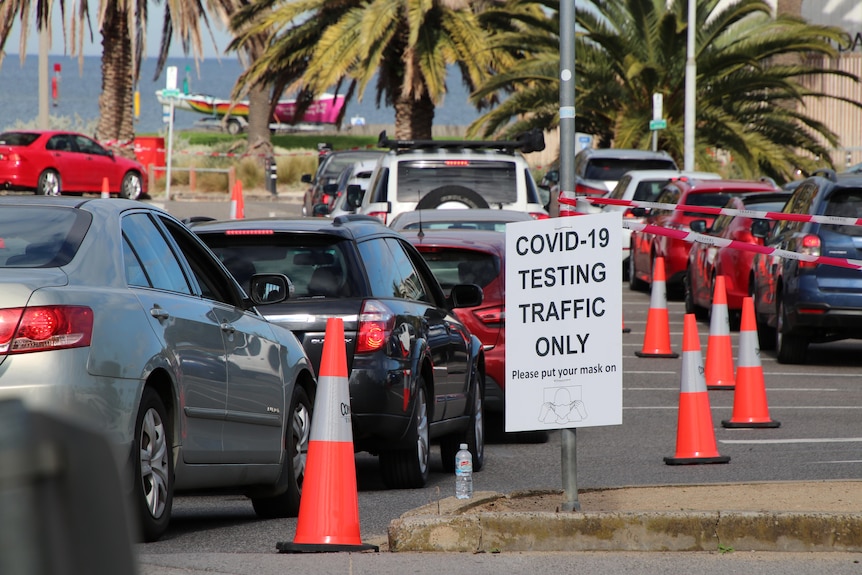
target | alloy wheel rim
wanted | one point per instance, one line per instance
(301, 430)
(422, 440)
(154, 455)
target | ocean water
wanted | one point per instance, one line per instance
(79, 89)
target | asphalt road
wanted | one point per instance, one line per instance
(818, 406)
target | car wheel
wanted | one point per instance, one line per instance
(408, 468)
(452, 195)
(234, 127)
(154, 467)
(790, 348)
(295, 454)
(635, 283)
(49, 184)
(474, 437)
(131, 186)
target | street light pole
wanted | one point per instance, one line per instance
(690, 85)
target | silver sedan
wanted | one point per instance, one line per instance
(113, 313)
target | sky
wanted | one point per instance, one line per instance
(94, 48)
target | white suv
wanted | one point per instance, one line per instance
(427, 174)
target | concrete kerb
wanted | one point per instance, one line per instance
(449, 525)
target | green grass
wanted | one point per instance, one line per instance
(287, 141)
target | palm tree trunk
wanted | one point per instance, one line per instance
(116, 122)
(259, 140)
(414, 119)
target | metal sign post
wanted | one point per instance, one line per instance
(171, 93)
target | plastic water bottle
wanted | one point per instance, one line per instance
(463, 473)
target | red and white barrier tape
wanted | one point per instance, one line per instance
(694, 237)
(836, 220)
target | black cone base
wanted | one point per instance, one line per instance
(696, 460)
(644, 354)
(750, 424)
(290, 547)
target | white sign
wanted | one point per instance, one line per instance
(657, 106)
(564, 323)
(171, 78)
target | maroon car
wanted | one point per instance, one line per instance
(54, 162)
(460, 256)
(706, 262)
(646, 247)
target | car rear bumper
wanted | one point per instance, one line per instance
(381, 407)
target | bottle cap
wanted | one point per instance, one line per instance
(463, 446)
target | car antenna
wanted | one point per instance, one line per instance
(421, 233)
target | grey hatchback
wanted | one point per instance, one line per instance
(114, 314)
(416, 373)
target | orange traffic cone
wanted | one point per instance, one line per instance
(106, 190)
(695, 440)
(657, 335)
(237, 204)
(329, 508)
(719, 352)
(749, 399)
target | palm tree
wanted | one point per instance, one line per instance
(750, 71)
(407, 44)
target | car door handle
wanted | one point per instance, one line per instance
(159, 313)
(228, 327)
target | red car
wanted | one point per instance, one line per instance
(706, 262)
(457, 257)
(646, 247)
(54, 162)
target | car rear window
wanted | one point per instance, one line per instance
(648, 190)
(614, 168)
(845, 203)
(17, 138)
(40, 237)
(495, 181)
(454, 266)
(318, 266)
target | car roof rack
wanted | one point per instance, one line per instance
(531, 141)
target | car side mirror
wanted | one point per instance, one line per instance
(639, 212)
(760, 228)
(698, 226)
(466, 295)
(305, 178)
(320, 210)
(270, 288)
(354, 195)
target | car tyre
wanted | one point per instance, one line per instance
(452, 194)
(131, 187)
(49, 184)
(635, 283)
(789, 348)
(474, 437)
(691, 307)
(408, 468)
(295, 456)
(234, 127)
(154, 466)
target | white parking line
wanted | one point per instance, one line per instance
(809, 440)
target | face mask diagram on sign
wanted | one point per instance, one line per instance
(564, 294)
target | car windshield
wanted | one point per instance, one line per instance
(454, 266)
(318, 266)
(493, 226)
(17, 138)
(846, 203)
(614, 168)
(40, 237)
(495, 181)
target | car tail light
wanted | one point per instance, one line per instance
(585, 190)
(811, 247)
(10, 157)
(379, 215)
(43, 328)
(249, 232)
(376, 322)
(492, 316)
(539, 215)
(628, 214)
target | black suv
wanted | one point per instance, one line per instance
(416, 372)
(801, 302)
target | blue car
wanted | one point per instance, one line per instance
(798, 302)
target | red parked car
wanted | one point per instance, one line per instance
(457, 257)
(54, 162)
(646, 247)
(706, 262)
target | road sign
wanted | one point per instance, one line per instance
(657, 124)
